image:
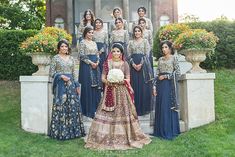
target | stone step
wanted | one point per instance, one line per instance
(144, 124)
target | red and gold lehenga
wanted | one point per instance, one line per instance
(116, 125)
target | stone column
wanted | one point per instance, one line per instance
(70, 16)
(154, 19)
(98, 8)
(34, 103)
(126, 10)
(196, 92)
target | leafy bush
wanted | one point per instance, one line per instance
(12, 62)
(45, 41)
(224, 54)
(196, 39)
(172, 31)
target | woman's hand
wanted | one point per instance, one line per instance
(137, 67)
(154, 92)
(65, 78)
(162, 77)
(100, 52)
(94, 65)
(78, 90)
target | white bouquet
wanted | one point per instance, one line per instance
(115, 76)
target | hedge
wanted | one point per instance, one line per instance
(224, 56)
(12, 62)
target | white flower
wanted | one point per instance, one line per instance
(115, 76)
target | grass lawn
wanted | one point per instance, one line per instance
(215, 139)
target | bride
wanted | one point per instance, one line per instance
(116, 126)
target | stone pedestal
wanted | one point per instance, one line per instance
(196, 93)
(34, 103)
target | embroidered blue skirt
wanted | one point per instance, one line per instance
(66, 120)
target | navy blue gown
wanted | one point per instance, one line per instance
(167, 104)
(89, 78)
(141, 81)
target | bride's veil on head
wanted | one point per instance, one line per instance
(109, 57)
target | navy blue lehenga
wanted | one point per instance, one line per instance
(166, 109)
(66, 120)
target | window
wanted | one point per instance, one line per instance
(164, 20)
(59, 23)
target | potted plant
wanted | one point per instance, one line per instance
(42, 46)
(172, 31)
(195, 44)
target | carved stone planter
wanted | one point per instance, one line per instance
(42, 61)
(195, 56)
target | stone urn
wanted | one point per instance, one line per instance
(195, 56)
(43, 61)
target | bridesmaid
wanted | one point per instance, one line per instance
(117, 13)
(141, 71)
(165, 89)
(119, 35)
(90, 75)
(142, 14)
(101, 38)
(147, 34)
(66, 120)
(88, 20)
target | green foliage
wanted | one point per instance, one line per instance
(213, 140)
(224, 54)
(172, 31)
(12, 62)
(22, 14)
(45, 41)
(195, 39)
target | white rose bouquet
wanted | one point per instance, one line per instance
(115, 76)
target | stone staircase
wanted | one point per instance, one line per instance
(146, 124)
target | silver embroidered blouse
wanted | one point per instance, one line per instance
(119, 36)
(147, 34)
(100, 36)
(60, 66)
(168, 66)
(87, 48)
(135, 47)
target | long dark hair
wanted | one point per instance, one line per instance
(117, 8)
(141, 19)
(120, 19)
(92, 17)
(100, 20)
(133, 33)
(169, 44)
(86, 30)
(63, 41)
(143, 8)
(119, 46)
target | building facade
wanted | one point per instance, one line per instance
(68, 13)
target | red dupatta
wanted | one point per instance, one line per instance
(109, 99)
